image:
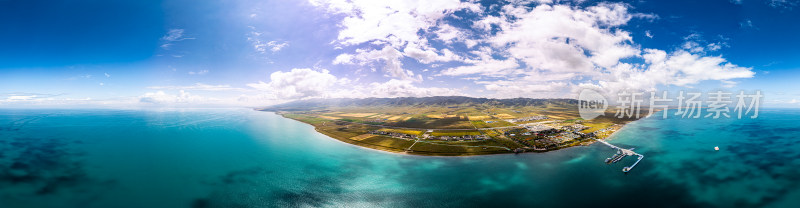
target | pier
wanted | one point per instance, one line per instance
(622, 153)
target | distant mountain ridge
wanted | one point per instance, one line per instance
(415, 101)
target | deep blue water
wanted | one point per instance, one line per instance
(245, 158)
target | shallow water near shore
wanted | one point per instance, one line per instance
(246, 158)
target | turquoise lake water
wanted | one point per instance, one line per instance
(246, 158)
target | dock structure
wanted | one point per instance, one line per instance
(621, 153)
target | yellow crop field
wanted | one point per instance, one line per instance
(476, 118)
(328, 117)
(362, 137)
(504, 116)
(435, 116)
(403, 131)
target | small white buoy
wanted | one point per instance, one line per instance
(716, 148)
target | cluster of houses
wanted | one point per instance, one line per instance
(394, 134)
(540, 129)
(564, 137)
(575, 127)
(532, 118)
(459, 138)
(426, 136)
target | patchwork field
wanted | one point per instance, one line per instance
(362, 137)
(357, 114)
(419, 129)
(478, 118)
(454, 133)
(504, 116)
(403, 131)
(329, 117)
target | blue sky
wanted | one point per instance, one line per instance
(252, 53)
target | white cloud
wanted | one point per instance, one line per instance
(696, 44)
(343, 59)
(449, 34)
(513, 89)
(564, 47)
(298, 83)
(394, 26)
(21, 97)
(485, 64)
(262, 46)
(563, 38)
(200, 72)
(680, 68)
(533, 48)
(161, 97)
(747, 24)
(173, 35)
(406, 88)
(783, 4)
(369, 20)
(29, 100)
(276, 46)
(307, 83)
(389, 57)
(486, 67)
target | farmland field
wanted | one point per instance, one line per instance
(353, 124)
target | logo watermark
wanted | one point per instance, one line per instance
(715, 104)
(591, 104)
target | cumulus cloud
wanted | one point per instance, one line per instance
(565, 46)
(485, 64)
(388, 57)
(563, 38)
(680, 68)
(368, 20)
(307, 83)
(547, 48)
(392, 28)
(298, 83)
(405, 88)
